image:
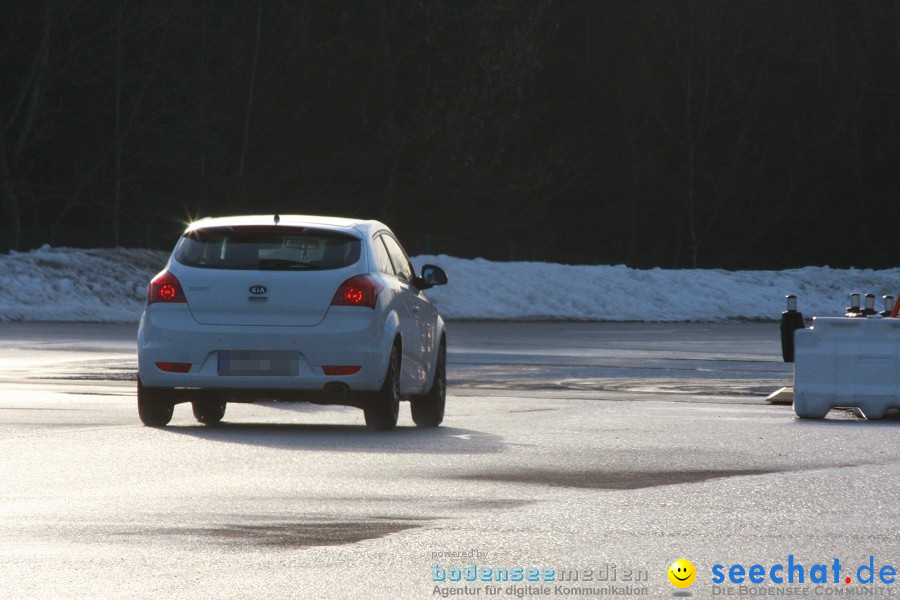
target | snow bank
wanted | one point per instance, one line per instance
(480, 289)
(64, 284)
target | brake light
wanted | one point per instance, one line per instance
(340, 370)
(361, 290)
(165, 288)
(174, 367)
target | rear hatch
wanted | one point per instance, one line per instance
(264, 275)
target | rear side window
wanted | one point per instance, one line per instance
(267, 248)
(398, 258)
(381, 256)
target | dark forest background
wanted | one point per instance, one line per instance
(735, 134)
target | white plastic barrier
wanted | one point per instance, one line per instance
(852, 362)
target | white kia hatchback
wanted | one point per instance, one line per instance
(298, 308)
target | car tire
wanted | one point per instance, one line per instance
(154, 409)
(428, 410)
(383, 408)
(209, 411)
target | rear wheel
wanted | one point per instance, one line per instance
(209, 411)
(383, 407)
(428, 410)
(153, 407)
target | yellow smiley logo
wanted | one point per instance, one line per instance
(682, 573)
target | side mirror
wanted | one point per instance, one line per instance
(431, 276)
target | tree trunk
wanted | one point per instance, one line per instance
(10, 200)
(117, 191)
(202, 102)
(251, 93)
(691, 149)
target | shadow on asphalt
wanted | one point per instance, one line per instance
(297, 535)
(346, 438)
(609, 480)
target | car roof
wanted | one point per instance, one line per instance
(288, 221)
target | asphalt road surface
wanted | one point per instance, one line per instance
(602, 451)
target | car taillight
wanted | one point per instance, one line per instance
(361, 290)
(340, 370)
(174, 367)
(165, 288)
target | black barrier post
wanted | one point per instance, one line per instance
(791, 320)
(854, 309)
(869, 309)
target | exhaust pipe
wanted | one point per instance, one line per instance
(336, 389)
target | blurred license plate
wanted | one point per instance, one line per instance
(258, 362)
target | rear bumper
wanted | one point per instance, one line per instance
(346, 336)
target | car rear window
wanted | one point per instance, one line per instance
(267, 248)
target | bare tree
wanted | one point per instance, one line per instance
(707, 118)
(17, 119)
